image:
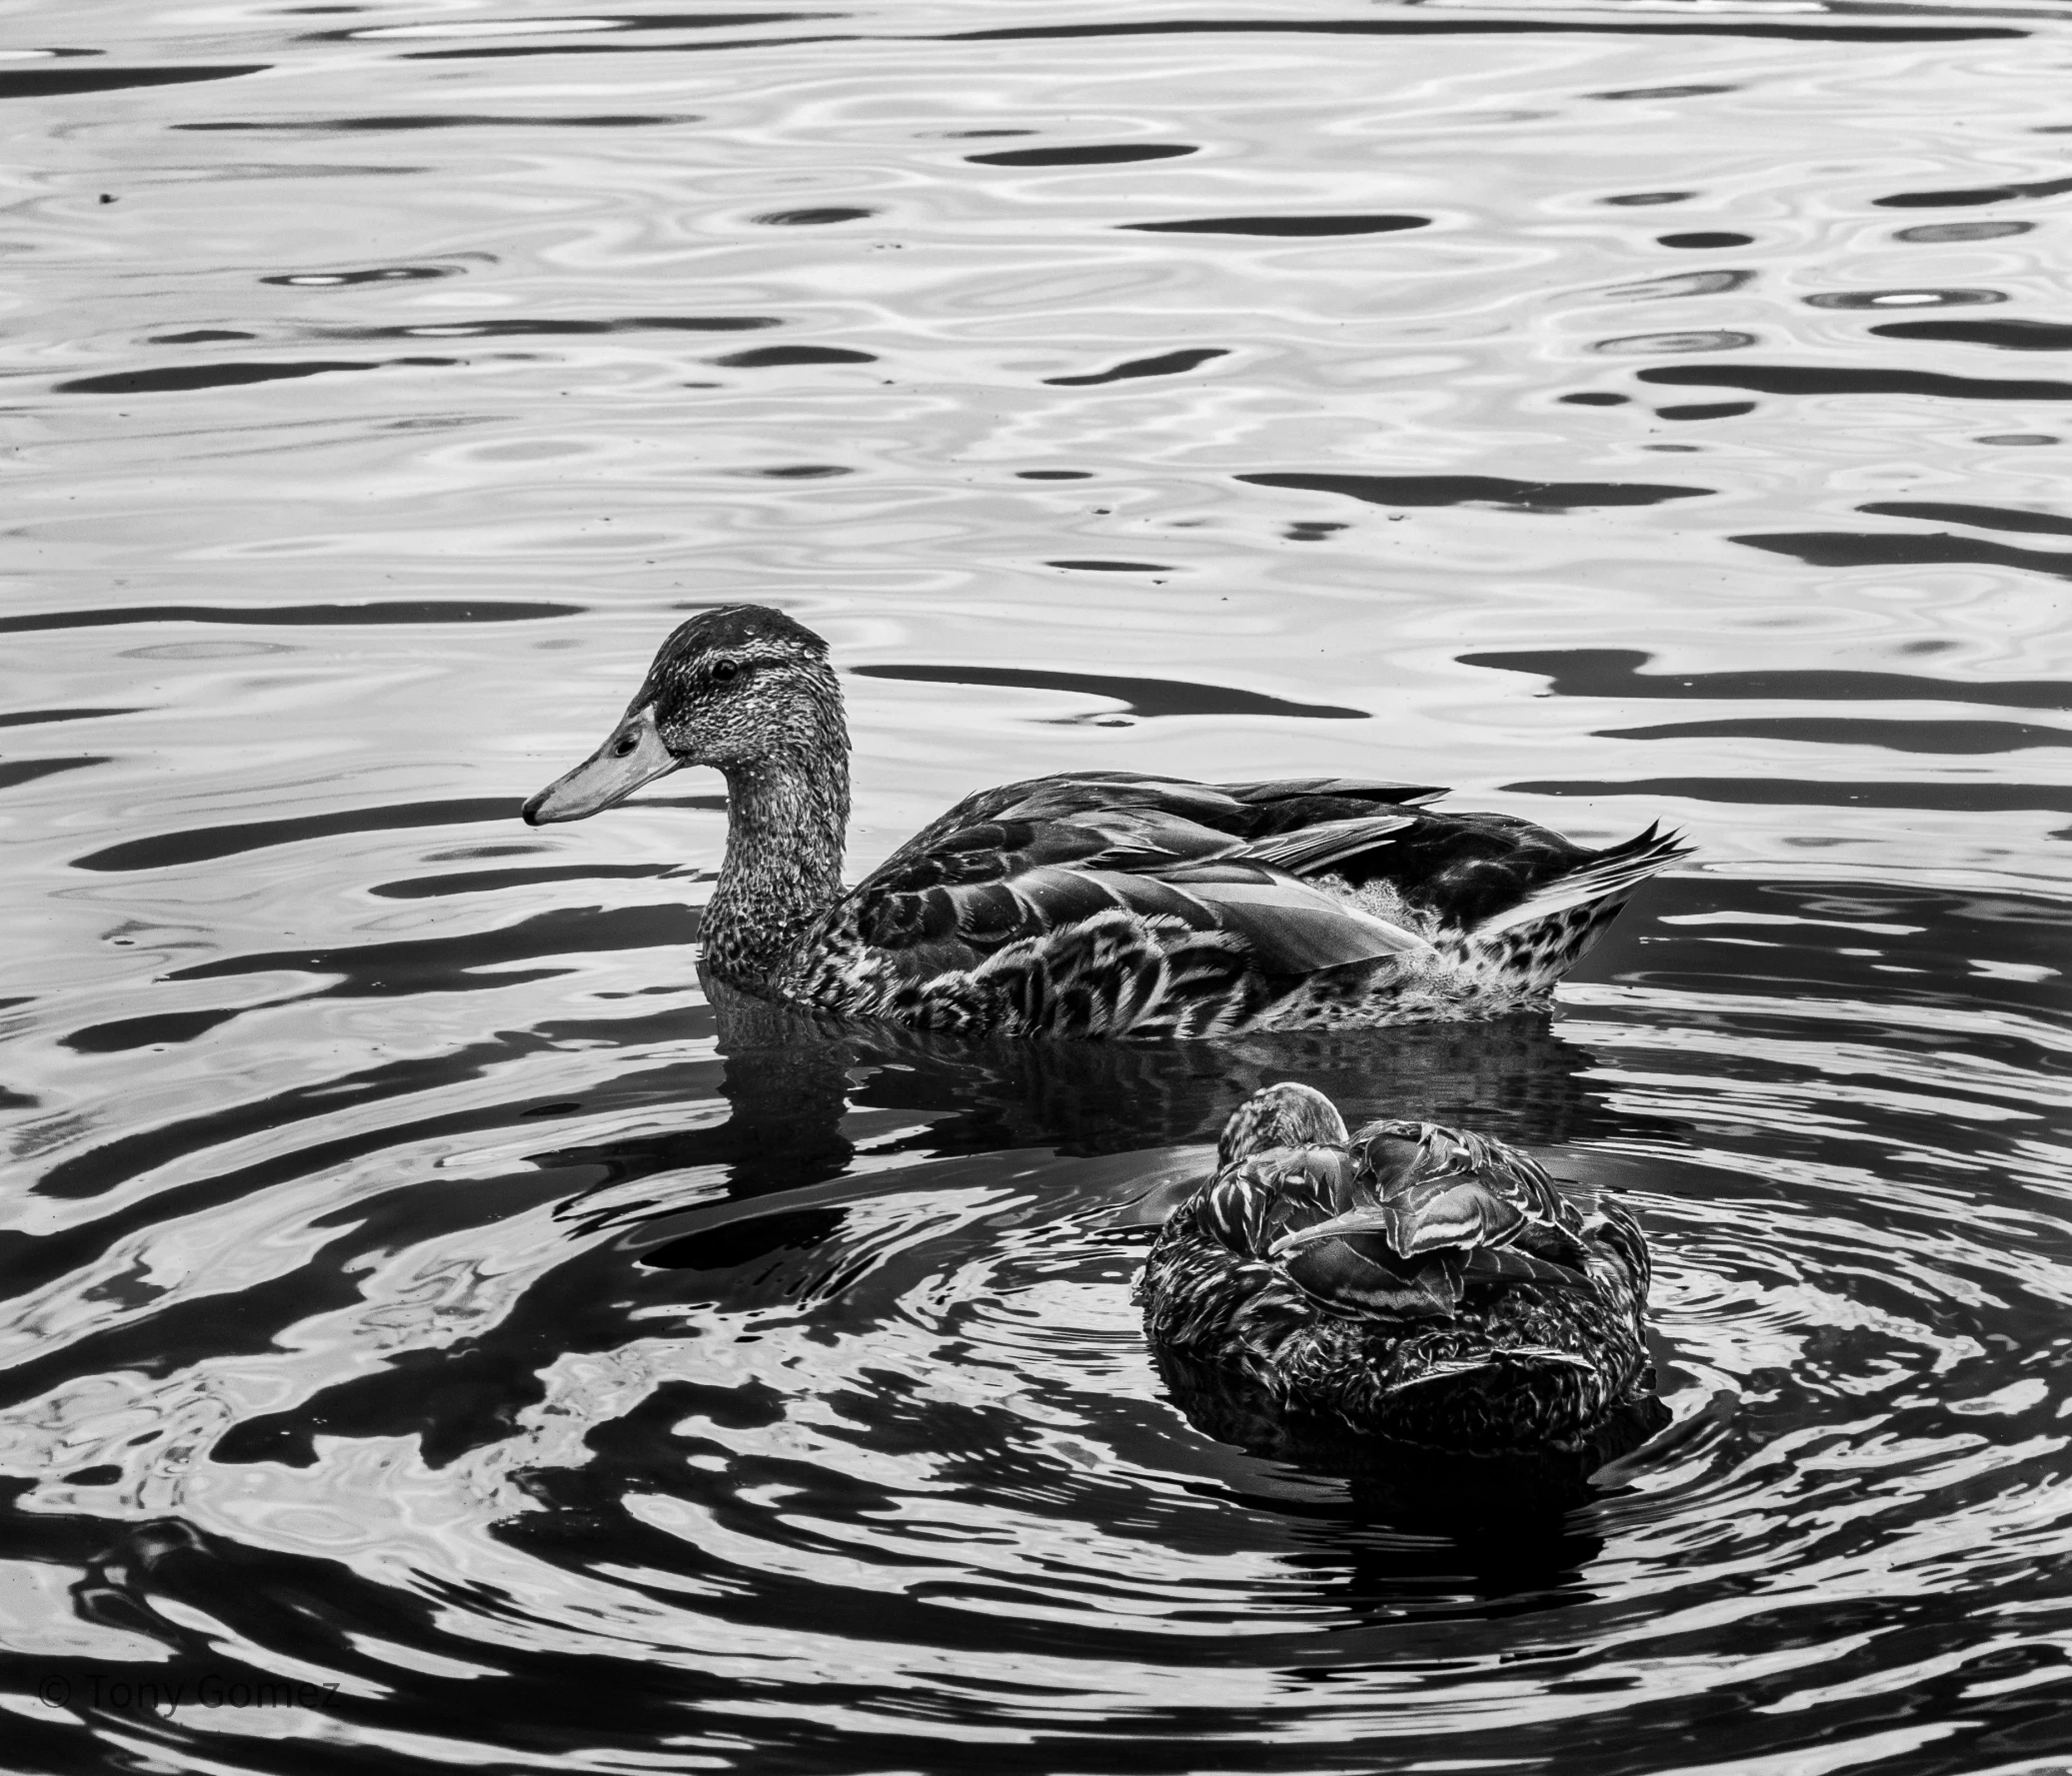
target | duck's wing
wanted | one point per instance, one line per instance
(1430, 1212)
(1242, 812)
(1035, 859)
(1485, 874)
(1478, 874)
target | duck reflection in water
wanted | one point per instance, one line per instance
(799, 1087)
(1402, 1526)
(1413, 1517)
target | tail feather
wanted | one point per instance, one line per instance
(1611, 874)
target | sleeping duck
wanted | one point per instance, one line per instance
(1410, 1282)
(1095, 902)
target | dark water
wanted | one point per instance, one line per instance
(436, 1337)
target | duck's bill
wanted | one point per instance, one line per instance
(633, 756)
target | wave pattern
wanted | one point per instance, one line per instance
(431, 1333)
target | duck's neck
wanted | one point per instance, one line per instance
(785, 817)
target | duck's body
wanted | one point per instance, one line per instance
(1106, 904)
(1094, 902)
(1408, 1282)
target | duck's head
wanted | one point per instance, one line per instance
(1283, 1115)
(733, 687)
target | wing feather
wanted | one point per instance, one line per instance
(1032, 861)
(1359, 789)
(1496, 1264)
(1296, 930)
(1310, 849)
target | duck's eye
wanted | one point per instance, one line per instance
(723, 669)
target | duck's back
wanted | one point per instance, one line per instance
(1107, 903)
(1414, 1282)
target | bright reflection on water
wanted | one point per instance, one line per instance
(416, 1291)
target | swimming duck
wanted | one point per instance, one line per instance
(1410, 1283)
(1095, 902)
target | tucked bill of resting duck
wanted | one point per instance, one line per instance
(1408, 1283)
(1094, 902)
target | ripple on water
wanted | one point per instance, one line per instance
(418, 1290)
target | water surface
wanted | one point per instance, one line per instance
(434, 1336)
